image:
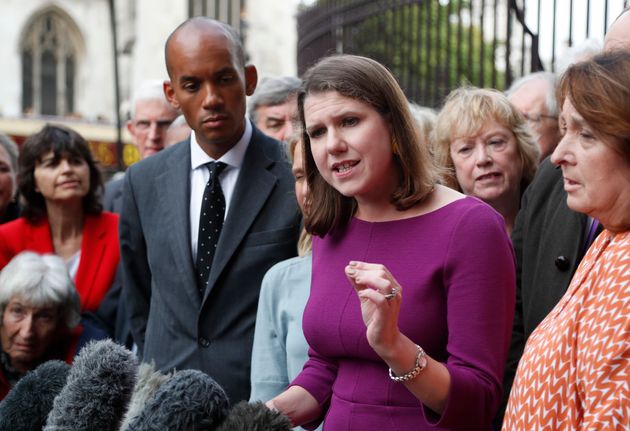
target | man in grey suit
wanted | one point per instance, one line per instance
(176, 320)
(151, 115)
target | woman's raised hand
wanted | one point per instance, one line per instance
(380, 296)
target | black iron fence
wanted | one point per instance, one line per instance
(228, 11)
(433, 46)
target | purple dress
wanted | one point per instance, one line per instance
(456, 268)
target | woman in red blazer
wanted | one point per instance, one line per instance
(59, 182)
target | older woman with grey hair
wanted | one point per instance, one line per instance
(9, 206)
(39, 316)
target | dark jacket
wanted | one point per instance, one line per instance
(548, 240)
(171, 322)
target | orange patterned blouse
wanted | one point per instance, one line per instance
(575, 371)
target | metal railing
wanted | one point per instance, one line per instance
(228, 11)
(433, 46)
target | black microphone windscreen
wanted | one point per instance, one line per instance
(190, 400)
(26, 407)
(97, 391)
(254, 417)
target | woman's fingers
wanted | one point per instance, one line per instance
(367, 266)
(376, 296)
(375, 276)
(379, 295)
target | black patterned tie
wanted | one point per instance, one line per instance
(210, 223)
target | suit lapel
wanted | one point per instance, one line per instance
(254, 185)
(173, 186)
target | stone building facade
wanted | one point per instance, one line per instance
(58, 59)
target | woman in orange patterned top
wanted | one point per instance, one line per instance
(575, 370)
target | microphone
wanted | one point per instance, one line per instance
(149, 381)
(190, 400)
(254, 417)
(26, 407)
(97, 391)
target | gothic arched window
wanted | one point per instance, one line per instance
(49, 64)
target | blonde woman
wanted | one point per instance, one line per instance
(488, 148)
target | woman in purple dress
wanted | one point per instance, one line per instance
(412, 296)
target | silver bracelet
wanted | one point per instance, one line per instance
(421, 364)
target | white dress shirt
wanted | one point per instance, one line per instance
(199, 176)
(73, 264)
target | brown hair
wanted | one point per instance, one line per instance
(599, 89)
(62, 142)
(466, 111)
(368, 81)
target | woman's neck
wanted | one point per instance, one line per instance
(13, 369)
(375, 205)
(386, 211)
(376, 211)
(66, 227)
(22, 367)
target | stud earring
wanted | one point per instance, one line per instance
(394, 147)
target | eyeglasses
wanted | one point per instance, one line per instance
(537, 118)
(146, 124)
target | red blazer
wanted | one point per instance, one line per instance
(100, 252)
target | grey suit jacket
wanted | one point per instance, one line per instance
(112, 199)
(170, 321)
(548, 241)
(112, 312)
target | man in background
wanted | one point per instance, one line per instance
(534, 95)
(273, 107)
(178, 131)
(151, 115)
(618, 36)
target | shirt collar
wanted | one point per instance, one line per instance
(234, 157)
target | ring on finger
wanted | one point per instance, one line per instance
(391, 294)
